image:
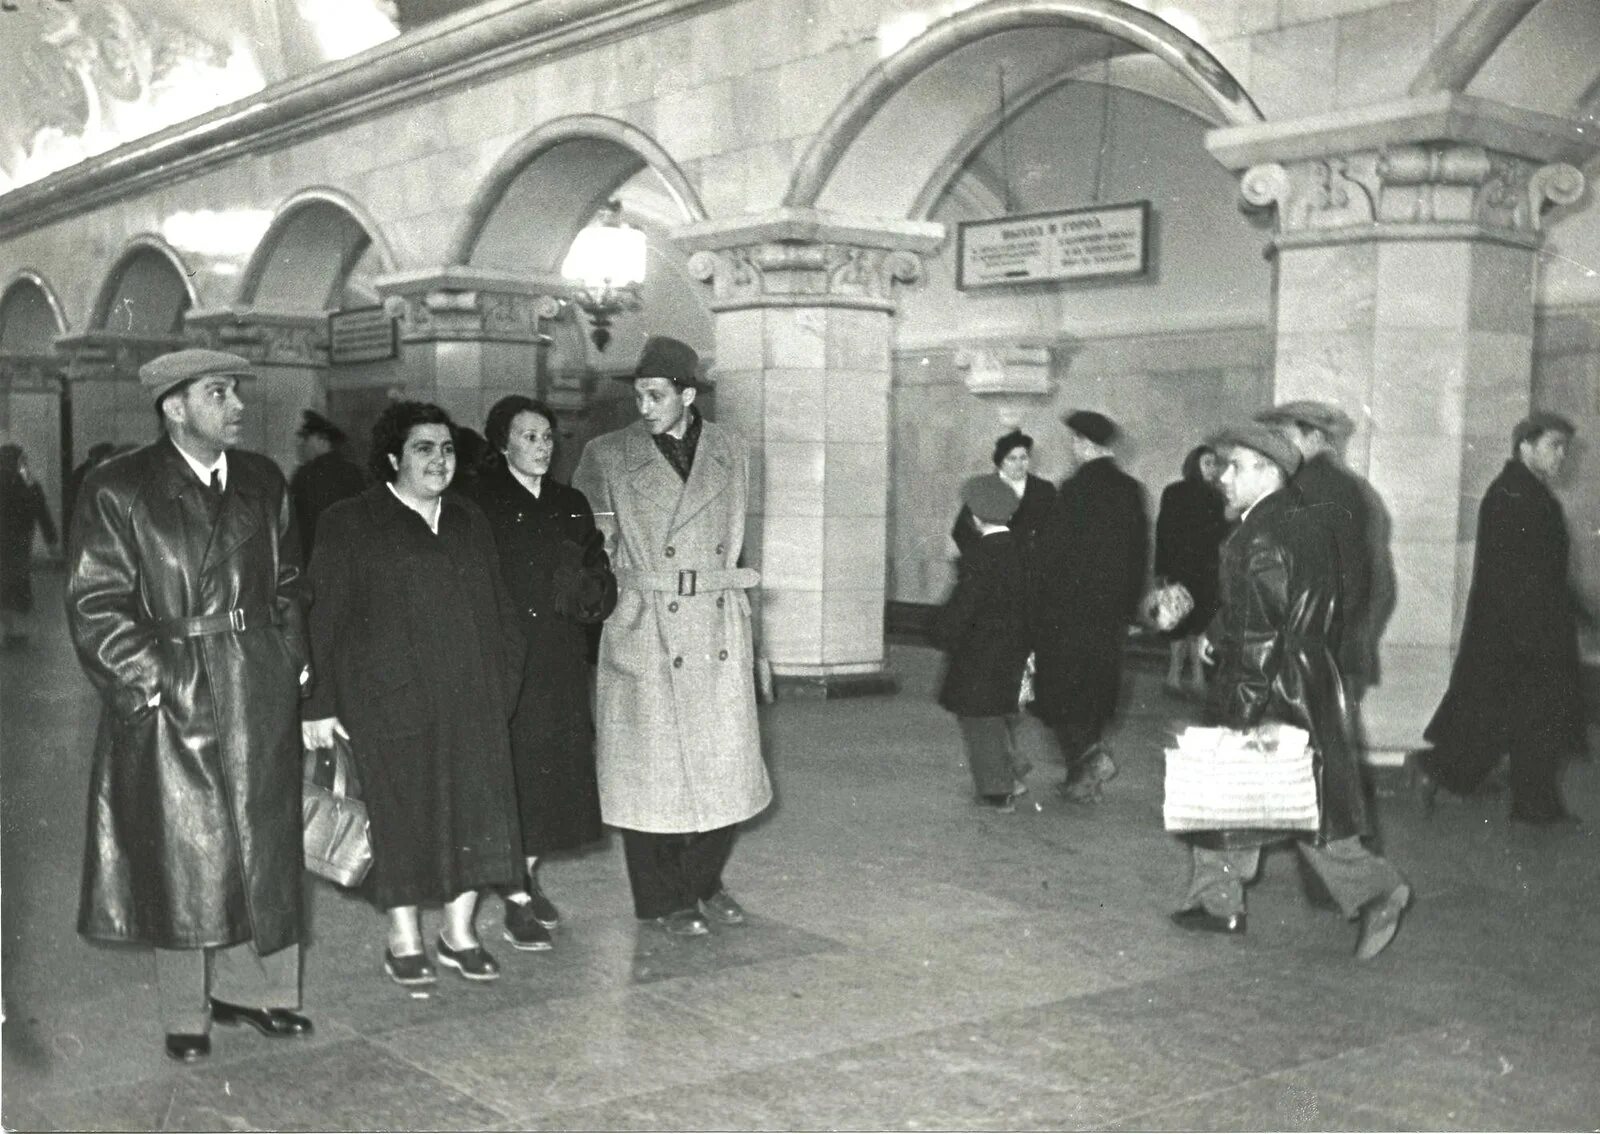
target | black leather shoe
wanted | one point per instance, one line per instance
(1380, 921)
(187, 1048)
(475, 963)
(278, 1023)
(1198, 920)
(722, 909)
(1424, 788)
(543, 908)
(683, 923)
(525, 929)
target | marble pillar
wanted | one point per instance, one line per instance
(1406, 244)
(804, 322)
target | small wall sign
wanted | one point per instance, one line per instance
(362, 334)
(1075, 244)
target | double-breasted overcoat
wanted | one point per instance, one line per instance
(679, 749)
(194, 802)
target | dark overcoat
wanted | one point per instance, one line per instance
(1033, 509)
(554, 564)
(984, 628)
(416, 649)
(1090, 557)
(1341, 501)
(1277, 638)
(1517, 677)
(319, 484)
(194, 803)
(22, 509)
(1190, 528)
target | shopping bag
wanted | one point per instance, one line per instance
(1221, 779)
(338, 843)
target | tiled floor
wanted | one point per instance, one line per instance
(912, 962)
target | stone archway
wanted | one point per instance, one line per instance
(319, 240)
(35, 411)
(146, 292)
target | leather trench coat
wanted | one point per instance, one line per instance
(194, 803)
(1277, 636)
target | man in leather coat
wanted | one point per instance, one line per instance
(183, 598)
(1276, 638)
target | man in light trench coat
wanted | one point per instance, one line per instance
(184, 602)
(679, 755)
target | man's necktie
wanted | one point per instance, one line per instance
(216, 483)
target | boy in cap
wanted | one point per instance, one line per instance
(1273, 642)
(1090, 561)
(325, 476)
(1516, 688)
(984, 627)
(184, 602)
(679, 754)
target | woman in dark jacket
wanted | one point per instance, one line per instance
(416, 656)
(22, 508)
(1013, 454)
(555, 567)
(1189, 530)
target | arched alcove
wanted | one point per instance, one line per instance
(30, 315)
(146, 292)
(321, 253)
(34, 409)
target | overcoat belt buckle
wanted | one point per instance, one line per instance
(686, 583)
(236, 619)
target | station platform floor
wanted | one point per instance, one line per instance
(912, 962)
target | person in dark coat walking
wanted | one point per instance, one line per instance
(984, 628)
(22, 509)
(1190, 527)
(1347, 505)
(1276, 640)
(1091, 558)
(418, 657)
(1517, 684)
(1013, 454)
(325, 476)
(554, 563)
(184, 603)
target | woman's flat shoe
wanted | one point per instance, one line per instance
(409, 969)
(474, 963)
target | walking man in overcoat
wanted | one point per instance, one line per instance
(1090, 558)
(679, 756)
(183, 598)
(1517, 684)
(325, 476)
(1275, 641)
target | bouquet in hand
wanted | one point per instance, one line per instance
(1168, 605)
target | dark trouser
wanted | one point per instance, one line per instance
(1076, 738)
(669, 873)
(188, 979)
(1535, 774)
(1352, 874)
(992, 753)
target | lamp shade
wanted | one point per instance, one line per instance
(605, 257)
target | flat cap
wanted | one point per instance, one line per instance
(1091, 426)
(664, 357)
(1536, 425)
(313, 424)
(1320, 415)
(160, 376)
(1263, 439)
(990, 499)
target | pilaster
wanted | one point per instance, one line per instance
(804, 303)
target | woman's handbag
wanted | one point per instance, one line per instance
(1223, 779)
(338, 844)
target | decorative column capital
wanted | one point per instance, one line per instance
(32, 373)
(1441, 167)
(110, 356)
(457, 303)
(807, 258)
(264, 338)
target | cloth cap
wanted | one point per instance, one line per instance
(313, 424)
(1536, 425)
(1263, 439)
(1329, 418)
(664, 357)
(160, 376)
(990, 499)
(1091, 426)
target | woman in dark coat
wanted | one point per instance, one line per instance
(22, 508)
(555, 567)
(1013, 454)
(1189, 529)
(416, 654)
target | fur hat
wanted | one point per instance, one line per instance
(1263, 439)
(160, 376)
(989, 498)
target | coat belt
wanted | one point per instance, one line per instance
(235, 621)
(688, 582)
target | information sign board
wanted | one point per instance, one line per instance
(1106, 240)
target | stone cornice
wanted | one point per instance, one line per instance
(810, 226)
(264, 338)
(1434, 118)
(110, 355)
(41, 373)
(471, 46)
(466, 304)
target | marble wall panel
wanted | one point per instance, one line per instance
(739, 341)
(796, 406)
(626, 73)
(855, 554)
(1425, 584)
(857, 405)
(1332, 288)
(719, 43)
(794, 475)
(1292, 70)
(852, 626)
(1306, 11)
(1381, 47)
(1395, 712)
(675, 71)
(1499, 359)
(696, 122)
(768, 170)
(856, 340)
(1329, 365)
(836, 70)
(791, 624)
(1424, 283)
(1502, 289)
(1252, 16)
(721, 183)
(1234, 55)
(94, 416)
(795, 337)
(757, 107)
(857, 480)
(567, 85)
(1418, 383)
